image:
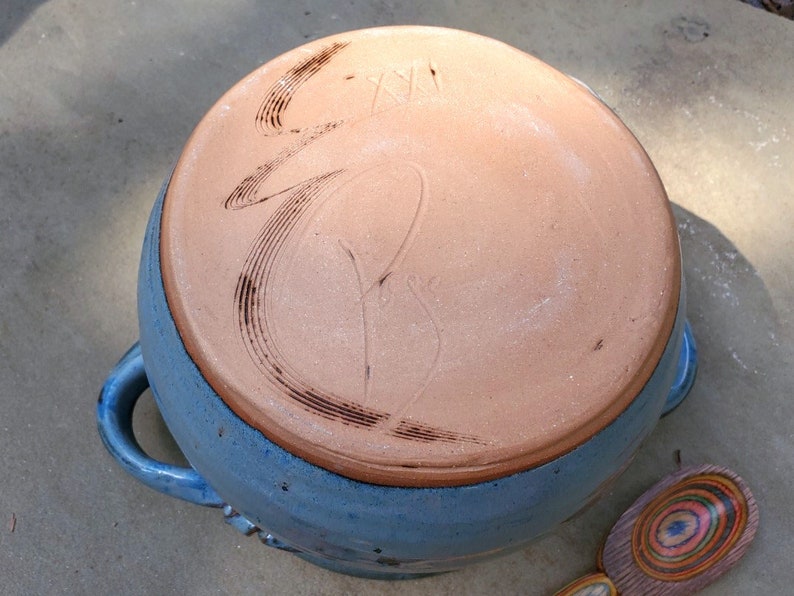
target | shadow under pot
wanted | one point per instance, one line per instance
(408, 300)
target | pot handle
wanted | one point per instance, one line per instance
(125, 384)
(685, 373)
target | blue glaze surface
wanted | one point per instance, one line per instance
(365, 529)
(685, 373)
(125, 384)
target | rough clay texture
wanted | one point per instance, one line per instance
(419, 257)
(97, 100)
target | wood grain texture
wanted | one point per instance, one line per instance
(682, 534)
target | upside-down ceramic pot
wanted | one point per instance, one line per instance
(409, 298)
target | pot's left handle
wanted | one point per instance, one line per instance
(125, 384)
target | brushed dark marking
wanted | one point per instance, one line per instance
(337, 409)
(428, 434)
(251, 291)
(247, 192)
(267, 248)
(270, 116)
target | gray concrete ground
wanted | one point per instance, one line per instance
(96, 99)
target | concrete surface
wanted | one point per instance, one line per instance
(96, 99)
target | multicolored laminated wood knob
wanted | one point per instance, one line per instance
(595, 584)
(678, 537)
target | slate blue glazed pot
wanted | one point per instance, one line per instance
(342, 524)
(380, 112)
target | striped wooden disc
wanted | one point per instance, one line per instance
(682, 534)
(595, 584)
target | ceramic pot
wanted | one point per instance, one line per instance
(386, 336)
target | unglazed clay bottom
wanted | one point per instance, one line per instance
(419, 257)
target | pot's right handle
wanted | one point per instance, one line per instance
(685, 373)
(125, 384)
